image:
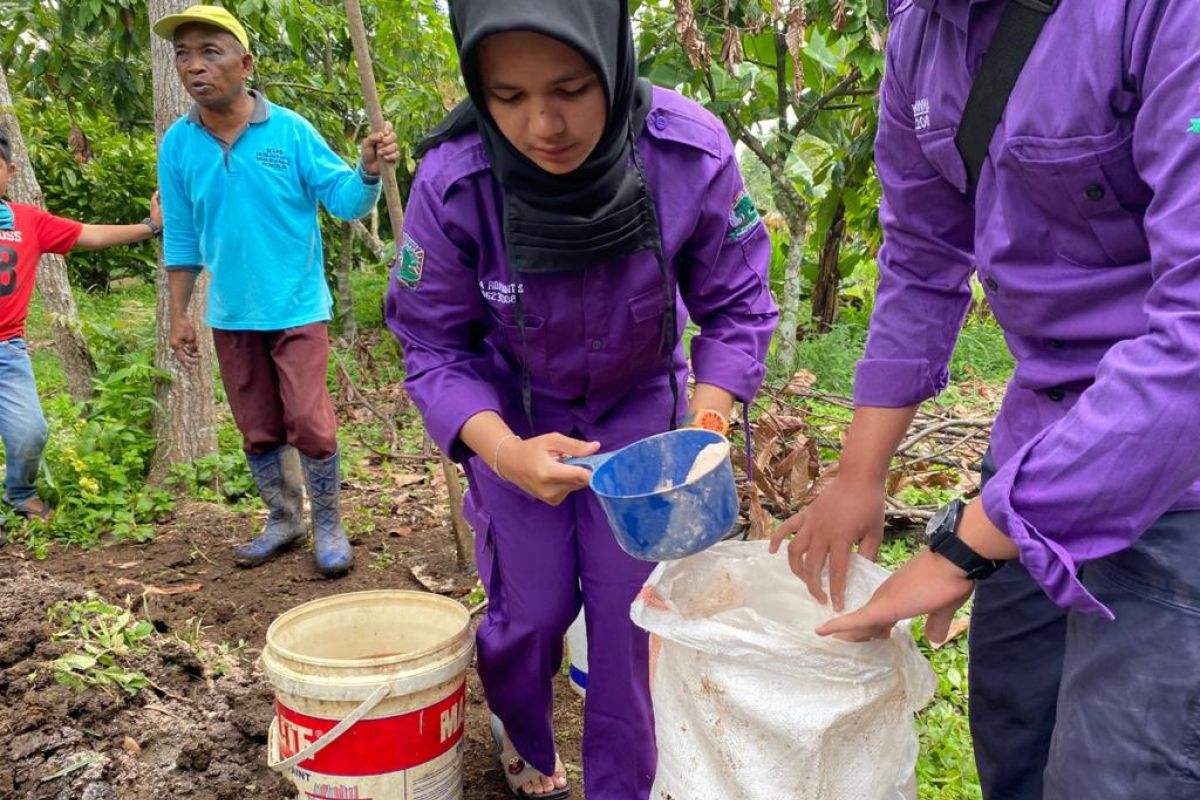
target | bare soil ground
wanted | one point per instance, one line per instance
(193, 734)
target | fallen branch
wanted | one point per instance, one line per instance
(167, 693)
(161, 710)
(941, 426)
(378, 246)
(349, 382)
(899, 510)
(295, 85)
(166, 592)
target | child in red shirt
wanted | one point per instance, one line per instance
(26, 233)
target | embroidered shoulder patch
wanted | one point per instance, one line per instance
(411, 263)
(743, 216)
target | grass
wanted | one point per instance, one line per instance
(981, 354)
(946, 766)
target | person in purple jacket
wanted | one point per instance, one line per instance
(557, 218)
(1084, 231)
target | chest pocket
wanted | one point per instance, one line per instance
(646, 312)
(1090, 194)
(531, 350)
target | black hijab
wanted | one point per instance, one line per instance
(602, 210)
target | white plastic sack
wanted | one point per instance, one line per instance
(750, 703)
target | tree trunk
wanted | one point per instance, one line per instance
(793, 282)
(829, 277)
(185, 425)
(52, 281)
(345, 303)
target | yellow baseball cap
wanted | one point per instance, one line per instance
(215, 16)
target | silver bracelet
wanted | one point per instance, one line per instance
(496, 460)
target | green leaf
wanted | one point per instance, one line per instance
(818, 50)
(295, 35)
(76, 661)
(760, 47)
(74, 766)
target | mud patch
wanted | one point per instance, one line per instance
(200, 736)
(177, 738)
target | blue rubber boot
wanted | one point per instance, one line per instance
(285, 522)
(331, 548)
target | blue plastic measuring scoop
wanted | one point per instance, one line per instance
(656, 513)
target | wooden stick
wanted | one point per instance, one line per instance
(464, 541)
(391, 192)
(366, 74)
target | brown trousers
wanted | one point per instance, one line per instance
(275, 381)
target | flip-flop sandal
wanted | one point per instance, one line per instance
(517, 772)
(44, 513)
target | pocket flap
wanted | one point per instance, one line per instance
(648, 305)
(941, 151)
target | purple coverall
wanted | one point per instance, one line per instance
(1085, 233)
(592, 341)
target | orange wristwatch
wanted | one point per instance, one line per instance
(707, 419)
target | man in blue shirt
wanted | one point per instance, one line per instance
(241, 181)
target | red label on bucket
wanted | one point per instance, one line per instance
(376, 746)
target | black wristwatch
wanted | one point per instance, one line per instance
(155, 230)
(943, 540)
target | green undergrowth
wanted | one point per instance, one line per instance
(946, 766)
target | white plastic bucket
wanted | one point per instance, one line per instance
(577, 654)
(370, 696)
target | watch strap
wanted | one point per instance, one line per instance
(944, 541)
(959, 553)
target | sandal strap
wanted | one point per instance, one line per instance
(517, 771)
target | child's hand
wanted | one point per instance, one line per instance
(534, 465)
(156, 210)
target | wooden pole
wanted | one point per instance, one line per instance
(464, 541)
(366, 74)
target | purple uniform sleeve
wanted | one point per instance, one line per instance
(724, 285)
(1092, 483)
(435, 309)
(925, 264)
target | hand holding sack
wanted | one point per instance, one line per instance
(749, 702)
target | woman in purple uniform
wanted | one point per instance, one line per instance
(565, 222)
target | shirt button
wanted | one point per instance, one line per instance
(597, 344)
(660, 123)
(1056, 394)
(1057, 344)
(990, 283)
(1094, 192)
